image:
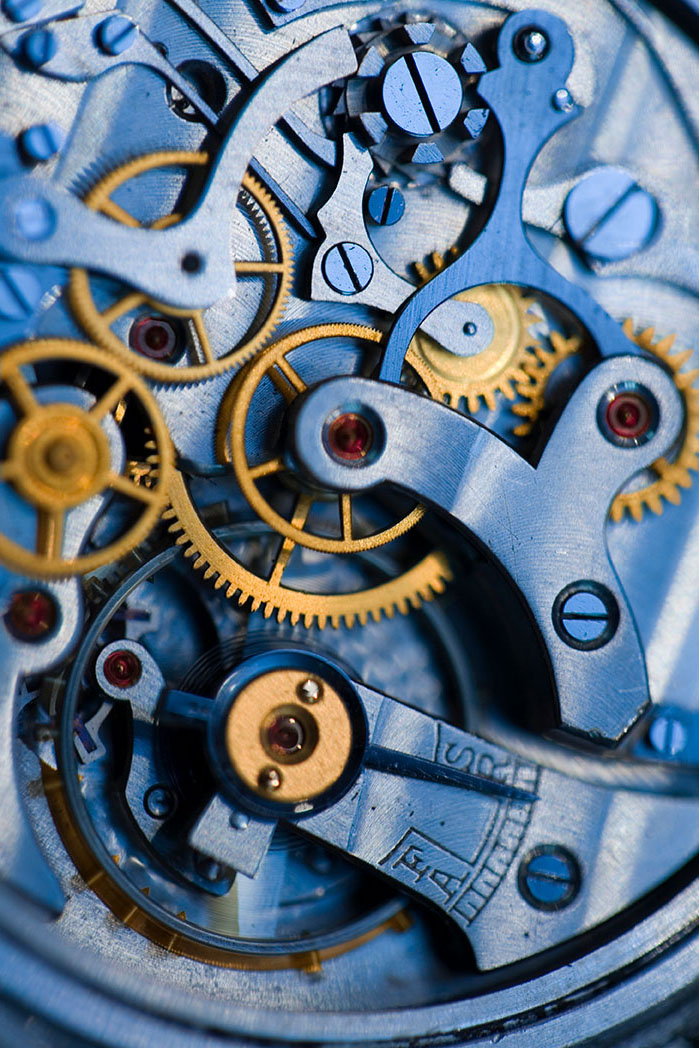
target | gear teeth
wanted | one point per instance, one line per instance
(671, 478)
(460, 387)
(538, 370)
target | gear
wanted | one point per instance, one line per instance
(538, 371)
(470, 381)
(670, 476)
(58, 456)
(421, 582)
(154, 339)
(235, 410)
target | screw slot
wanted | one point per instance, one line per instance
(585, 615)
(549, 878)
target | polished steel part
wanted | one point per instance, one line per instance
(390, 308)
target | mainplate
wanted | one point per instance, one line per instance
(310, 314)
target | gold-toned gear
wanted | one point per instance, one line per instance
(98, 323)
(477, 379)
(538, 370)
(58, 457)
(273, 363)
(670, 476)
(421, 582)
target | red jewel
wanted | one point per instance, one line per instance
(122, 668)
(349, 436)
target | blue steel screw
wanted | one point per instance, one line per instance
(668, 735)
(549, 877)
(348, 268)
(37, 47)
(116, 35)
(422, 93)
(386, 205)
(21, 10)
(34, 218)
(41, 141)
(609, 216)
(20, 292)
(585, 615)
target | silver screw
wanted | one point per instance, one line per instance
(310, 691)
(563, 100)
(269, 779)
(609, 216)
(348, 268)
(668, 735)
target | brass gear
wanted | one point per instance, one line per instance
(97, 324)
(670, 476)
(538, 370)
(477, 379)
(233, 416)
(421, 582)
(58, 457)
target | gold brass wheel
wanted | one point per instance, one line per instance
(275, 269)
(274, 364)
(58, 457)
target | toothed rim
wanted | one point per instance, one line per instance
(422, 582)
(93, 323)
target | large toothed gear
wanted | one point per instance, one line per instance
(67, 450)
(501, 367)
(260, 395)
(173, 345)
(413, 99)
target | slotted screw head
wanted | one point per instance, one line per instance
(348, 268)
(115, 35)
(549, 878)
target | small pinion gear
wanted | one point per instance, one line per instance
(538, 371)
